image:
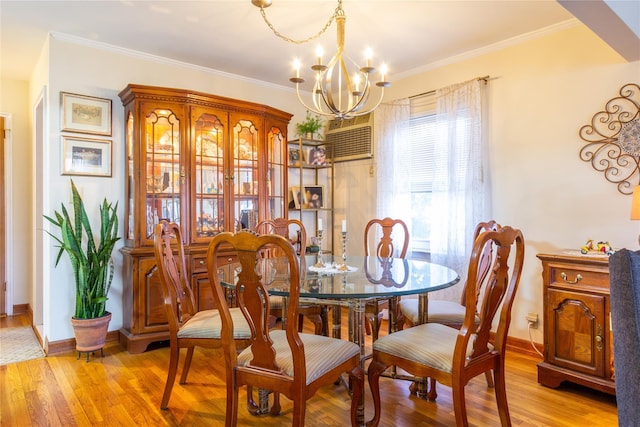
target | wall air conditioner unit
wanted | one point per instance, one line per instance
(351, 139)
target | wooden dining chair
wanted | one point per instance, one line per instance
(283, 361)
(454, 356)
(188, 327)
(316, 313)
(383, 248)
(451, 313)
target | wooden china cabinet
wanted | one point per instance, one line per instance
(209, 163)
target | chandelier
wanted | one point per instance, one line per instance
(342, 89)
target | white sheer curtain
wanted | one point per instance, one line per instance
(393, 196)
(461, 187)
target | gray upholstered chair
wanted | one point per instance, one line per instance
(624, 276)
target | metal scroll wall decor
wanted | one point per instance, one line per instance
(613, 139)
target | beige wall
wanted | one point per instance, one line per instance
(14, 105)
(541, 93)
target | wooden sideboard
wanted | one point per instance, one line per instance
(578, 344)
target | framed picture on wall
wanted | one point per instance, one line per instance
(82, 156)
(85, 114)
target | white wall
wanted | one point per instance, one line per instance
(541, 93)
(104, 73)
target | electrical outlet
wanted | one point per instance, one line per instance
(532, 318)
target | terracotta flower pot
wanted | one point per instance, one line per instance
(91, 334)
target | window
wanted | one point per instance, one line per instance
(422, 134)
(459, 165)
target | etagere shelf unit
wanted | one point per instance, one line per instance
(311, 179)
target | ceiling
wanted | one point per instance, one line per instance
(231, 36)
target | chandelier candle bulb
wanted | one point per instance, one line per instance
(296, 66)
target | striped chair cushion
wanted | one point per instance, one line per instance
(276, 302)
(430, 344)
(321, 353)
(207, 324)
(439, 311)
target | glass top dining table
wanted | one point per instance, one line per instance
(353, 281)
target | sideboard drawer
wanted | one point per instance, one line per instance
(563, 275)
(198, 264)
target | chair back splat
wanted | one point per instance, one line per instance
(384, 248)
(282, 361)
(451, 313)
(316, 313)
(453, 356)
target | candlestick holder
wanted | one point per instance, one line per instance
(319, 263)
(344, 267)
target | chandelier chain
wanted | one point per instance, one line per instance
(336, 12)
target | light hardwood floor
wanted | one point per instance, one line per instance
(122, 389)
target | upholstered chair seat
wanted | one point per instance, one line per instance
(207, 324)
(440, 311)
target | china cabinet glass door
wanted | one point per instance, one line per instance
(164, 172)
(244, 174)
(130, 213)
(210, 134)
(275, 173)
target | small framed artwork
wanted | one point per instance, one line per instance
(82, 156)
(313, 197)
(296, 198)
(295, 157)
(85, 114)
(316, 156)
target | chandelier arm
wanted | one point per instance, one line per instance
(377, 104)
(308, 107)
(361, 102)
(336, 12)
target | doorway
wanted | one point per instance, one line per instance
(3, 234)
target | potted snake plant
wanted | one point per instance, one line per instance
(92, 265)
